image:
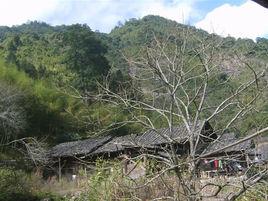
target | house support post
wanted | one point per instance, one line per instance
(247, 160)
(59, 169)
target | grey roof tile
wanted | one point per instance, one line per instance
(81, 147)
(226, 139)
(150, 138)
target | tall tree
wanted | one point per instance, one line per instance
(12, 45)
(182, 79)
(12, 117)
(85, 56)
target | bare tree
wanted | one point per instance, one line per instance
(180, 76)
(32, 150)
(13, 121)
(12, 118)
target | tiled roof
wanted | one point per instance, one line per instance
(226, 139)
(262, 147)
(80, 147)
(150, 138)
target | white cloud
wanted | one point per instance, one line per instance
(248, 20)
(104, 15)
(177, 10)
(14, 12)
(98, 14)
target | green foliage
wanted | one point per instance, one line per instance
(38, 56)
(70, 55)
(43, 61)
(17, 185)
(56, 115)
(101, 184)
(45, 106)
(13, 186)
(108, 183)
(258, 192)
(12, 115)
(85, 56)
(135, 36)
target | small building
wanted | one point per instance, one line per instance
(260, 152)
(230, 161)
(69, 156)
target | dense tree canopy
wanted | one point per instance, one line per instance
(85, 56)
(48, 62)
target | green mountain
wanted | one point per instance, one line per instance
(135, 34)
(131, 40)
(50, 61)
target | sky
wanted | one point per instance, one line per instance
(237, 18)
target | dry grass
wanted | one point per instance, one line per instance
(106, 184)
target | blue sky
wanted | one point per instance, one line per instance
(237, 18)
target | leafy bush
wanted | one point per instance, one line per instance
(108, 183)
(17, 185)
(257, 193)
(13, 186)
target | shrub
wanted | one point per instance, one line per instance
(108, 183)
(13, 186)
(16, 185)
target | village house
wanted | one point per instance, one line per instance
(70, 156)
(235, 159)
(261, 149)
(230, 161)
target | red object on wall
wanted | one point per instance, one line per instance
(216, 164)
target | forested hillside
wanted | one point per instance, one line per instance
(238, 58)
(66, 83)
(50, 68)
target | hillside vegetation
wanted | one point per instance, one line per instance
(52, 67)
(52, 79)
